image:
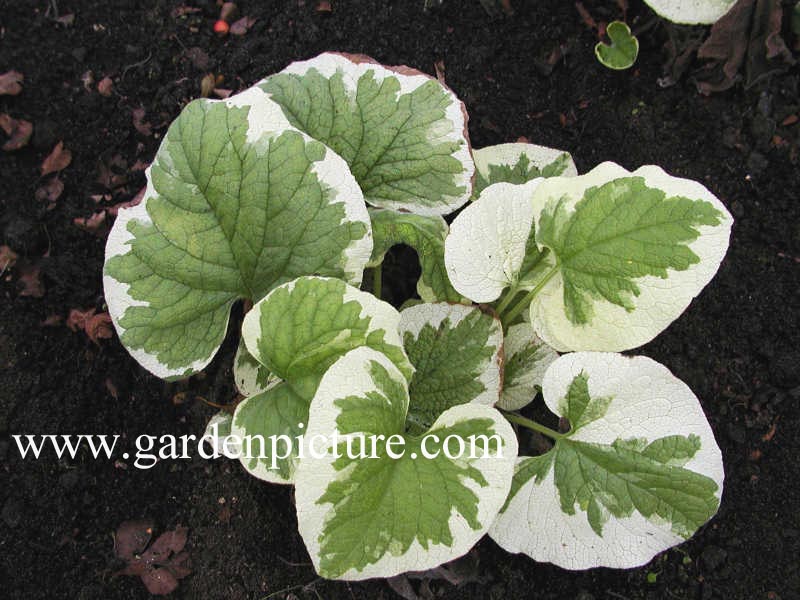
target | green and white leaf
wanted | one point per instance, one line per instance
(426, 236)
(519, 163)
(279, 413)
(297, 331)
(691, 12)
(235, 205)
(638, 472)
(378, 517)
(218, 432)
(402, 132)
(526, 361)
(623, 50)
(302, 327)
(457, 353)
(626, 254)
(490, 246)
(249, 375)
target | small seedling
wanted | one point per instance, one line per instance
(621, 53)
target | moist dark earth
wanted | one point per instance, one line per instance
(736, 346)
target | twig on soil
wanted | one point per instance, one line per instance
(52, 9)
(134, 65)
(293, 564)
(214, 404)
(302, 586)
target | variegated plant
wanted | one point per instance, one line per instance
(263, 198)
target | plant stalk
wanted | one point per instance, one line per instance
(530, 424)
(512, 314)
(377, 281)
(512, 291)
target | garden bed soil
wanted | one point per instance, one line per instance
(736, 346)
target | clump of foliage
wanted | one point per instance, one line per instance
(283, 194)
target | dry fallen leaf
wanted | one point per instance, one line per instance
(112, 388)
(8, 258)
(438, 66)
(91, 224)
(142, 126)
(95, 326)
(57, 160)
(88, 80)
(18, 130)
(227, 12)
(51, 321)
(113, 210)
(162, 564)
(105, 86)
(66, 20)
(10, 83)
(241, 26)
(112, 172)
(50, 191)
(29, 277)
(182, 10)
(207, 85)
(749, 36)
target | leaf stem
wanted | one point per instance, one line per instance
(512, 314)
(377, 281)
(512, 291)
(531, 424)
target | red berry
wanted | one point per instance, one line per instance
(221, 27)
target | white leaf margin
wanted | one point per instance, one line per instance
(218, 435)
(518, 338)
(660, 302)
(508, 154)
(414, 318)
(265, 119)
(260, 470)
(648, 402)
(245, 375)
(485, 248)
(353, 67)
(381, 315)
(691, 12)
(350, 376)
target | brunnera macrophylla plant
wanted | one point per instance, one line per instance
(282, 195)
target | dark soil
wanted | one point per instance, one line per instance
(736, 347)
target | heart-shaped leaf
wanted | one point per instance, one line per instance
(402, 132)
(236, 204)
(626, 254)
(610, 258)
(297, 331)
(638, 472)
(457, 353)
(491, 245)
(396, 510)
(621, 53)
